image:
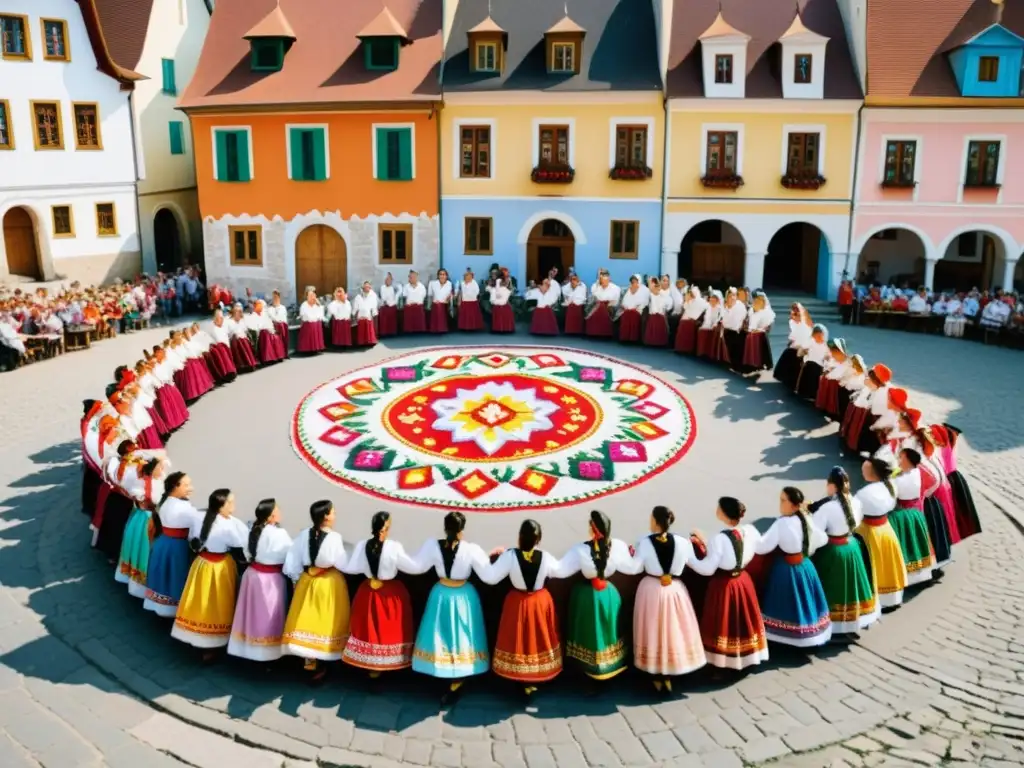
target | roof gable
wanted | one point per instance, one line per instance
(997, 36)
(117, 30)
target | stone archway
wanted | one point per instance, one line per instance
(712, 252)
(321, 260)
(798, 258)
(551, 243)
(892, 255)
(21, 244)
(969, 261)
(167, 241)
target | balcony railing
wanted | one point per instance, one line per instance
(553, 174)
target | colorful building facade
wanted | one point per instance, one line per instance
(552, 138)
(316, 137)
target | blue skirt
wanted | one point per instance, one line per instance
(794, 606)
(133, 565)
(451, 641)
(169, 563)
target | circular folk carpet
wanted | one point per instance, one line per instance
(488, 430)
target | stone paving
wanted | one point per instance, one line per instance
(88, 679)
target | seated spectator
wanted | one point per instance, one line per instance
(899, 303)
(941, 306)
(955, 319)
(972, 304)
(874, 298)
(918, 304)
(995, 315)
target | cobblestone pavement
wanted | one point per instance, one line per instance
(89, 679)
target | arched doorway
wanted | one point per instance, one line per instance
(321, 260)
(713, 253)
(969, 262)
(893, 256)
(550, 244)
(798, 259)
(20, 244)
(167, 239)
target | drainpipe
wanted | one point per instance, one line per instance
(666, 165)
(435, 114)
(135, 161)
(853, 195)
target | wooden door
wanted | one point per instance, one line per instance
(320, 261)
(714, 263)
(20, 244)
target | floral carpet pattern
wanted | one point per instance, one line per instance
(493, 428)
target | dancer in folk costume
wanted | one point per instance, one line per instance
(206, 609)
(339, 312)
(666, 634)
(148, 385)
(813, 363)
(199, 342)
(470, 316)
(241, 348)
(787, 369)
(594, 635)
(529, 648)
(121, 475)
(604, 300)
(843, 563)
(694, 307)
(222, 363)
(575, 299)
(908, 520)
(311, 326)
(946, 438)
(137, 543)
(387, 317)
(169, 401)
(709, 336)
(850, 385)
(440, 293)
(381, 631)
(886, 411)
(878, 499)
(757, 350)
(734, 333)
(278, 314)
(837, 368)
(263, 593)
(731, 626)
(317, 625)
(677, 292)
(270, 346)
(169, 557)
(794, 607)
(634, 302)
(543, 321)
(856, 431)
(659, 304)
(503, 319)
(414, 294)
(365, 308)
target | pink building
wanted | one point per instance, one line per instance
(937, 201)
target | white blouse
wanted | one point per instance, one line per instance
(272, 548)
(908, 485)
(470, 291)
(219, 334)
(660, 303)
(799, 334)
(389, 295)
(499, 295)
(577, 295)
(711, 317)
(414, 294)
(875, 500)
(340, 310)
(140, 416)
(178, 513)
(549, 299)
(609, 293)
(278, 314)
(721, 555)
(469, 558)
(225, 533)
(393, 559)
(760, 320)
(787, 534)
(331, 554)
(817, 352)
(580, 559)
(365, 306)
(311, 313)
(440, 293)
(853, 381)
(840, 371)
(832, 520)
(694, 308)
(647, 556)
(634, 300)
(733, 317)
(508, 565)
(236, 328)
(677, 300)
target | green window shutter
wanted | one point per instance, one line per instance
(405, 154)
(295, 139)
(168, 76)
(244, 172)
(222, 154)
(382, 154)
(319, 154)
(177, 138)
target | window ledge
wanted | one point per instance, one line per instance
(802, 182)
(898, 184)
(972, 185)
(552, 174)
(732, 181)
(630, 173)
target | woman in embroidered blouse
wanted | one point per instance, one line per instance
(340, 313)
(503, 319)
(594, 635)
(382, 630)
(858, 417)
(666, 634)
(734, 330)
(270, 346)
(842, 563)
(316, 628)
(311, 325)
(837, 367)
(634, 302)
(731, 625)
(206, 610)
(605, 297)
(470, 316)
(877, 499)
(529, 648)
(575, 298)
(947, 437)
(709, 336)
(908, 520)
(278, 314)
(241, 347)
(658, 306)
(263, 595)
(813, 363)
(169, 401)
(440, 293)
(788, 366)
(694, 307)
(365, 307)
(133, 562)
(757, 350)
(221, 362)
(169, 557)
(387, 317)
(543, 322)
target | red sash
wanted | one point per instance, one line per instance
(261, 568)
(176, 533)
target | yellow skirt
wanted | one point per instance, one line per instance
(317, 623)
(207, 606)
(888, 569)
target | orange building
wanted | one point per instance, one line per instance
(315, 139)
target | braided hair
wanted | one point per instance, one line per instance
(171, 483)
(454, 525)
(375, 544)
(218, 499)
(601, 543)
(734, 510)
(840, 480)
(318, 512)
(263, 512)
(881, 470)
(796, 497)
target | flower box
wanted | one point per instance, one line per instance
(802, 182)
(732, 181)
(630, 173)
(552, 174)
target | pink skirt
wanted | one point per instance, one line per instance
(270, 348)
(630, 325)
(599, 322)
(470, 316)
(171, 405)
(414, 319)
(149, 439)
(281, 329)
(544, 322)
(241, 351)
(259, 615)
(341, 333)
(158, 421)
(193, 381)
(575, 322)
(222, 363)
(666, 634)
(311, 337)
(686, 336)
(503, 319)
(366, 334)
(387, 321)
(439, 318)
(757, 353)
(656, 332)
(944, 495)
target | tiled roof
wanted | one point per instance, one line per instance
(384, 25)
(274, 24)
(117, 31)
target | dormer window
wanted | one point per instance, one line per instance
(381, 53)
(487, 44)
(988, 69)
(269, 41)
(803, 62)
(988, 64)
(267, 55)
(724, 60)
(723, 69)
(382, 38)
(563, 45)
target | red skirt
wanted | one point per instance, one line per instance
(381, 632)
(158, 420)
(731, 626)
(366, 333)
(544, 322)
(193, 381)
(503, 319)
(149, 439)
(599, 322)
(757, 352)
(221, 362)
(630, 325)
(827, 399)
(575, 323)
(281, 329)
(269, 347)
(686, 336)
(311, 337)
(171, 405)
(854, 422)
(656, 332)
(387, 321)
(707, 339)
(241, 351)
(414, 319)
(721, 349)
(528, 648)
(341, 333)
(439, 318)
(470, 317)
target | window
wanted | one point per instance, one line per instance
(87, 126)
(14, 39)
(394, 160)
(395, 243)
(478, 236)
(631, 146)
(231, 155)
(106, 220)
(802, 68)
(267, 55)
(177, 137)
(721, 148)
(563, 57)
(982, 164)
(624, 237)
(475, 152)
(169, 86)
(988, 69)
(55, 40)
(381, 53)
(723, 68)
(307, 149)
(899, 163)
(246, 246)
(6, 129)
(554, 145)
(802, 157)
(486, 57)
(63, 223)
(46, 115)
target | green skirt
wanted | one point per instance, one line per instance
(593, 638)
(133, 563)
(911, 529)
(846, 578)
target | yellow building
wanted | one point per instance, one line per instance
(761, 144)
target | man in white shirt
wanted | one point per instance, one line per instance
(996, 313)
(918, 305)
